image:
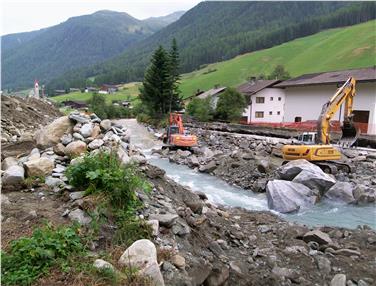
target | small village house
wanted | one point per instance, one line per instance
(213, 94)
(108, 89)
(300, 99)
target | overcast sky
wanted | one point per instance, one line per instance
(28, 15)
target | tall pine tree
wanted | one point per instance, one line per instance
(174, 67)
(160, 92)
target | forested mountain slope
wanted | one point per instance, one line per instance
(215, 31)
(80, 41)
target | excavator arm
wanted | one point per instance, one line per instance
(345, 94)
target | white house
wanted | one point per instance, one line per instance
(266, 103)
(306, 94)
(213, 94)
(300, 99)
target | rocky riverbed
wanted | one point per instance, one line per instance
(255, 163)
(194, 242)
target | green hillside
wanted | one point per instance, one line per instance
(126, 92)
(335, 49)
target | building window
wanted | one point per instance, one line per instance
(260, 99)
(259, 114)
(278, 112)
(270, 112)
(271, 98)
(279, 98)
(298, 119)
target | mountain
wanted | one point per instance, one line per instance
(334, 49)
(163, 21)
(216, 31)
(80, 41)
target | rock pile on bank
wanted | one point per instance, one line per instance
(61, 141)
(21, 117)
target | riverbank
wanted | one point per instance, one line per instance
(197, 242)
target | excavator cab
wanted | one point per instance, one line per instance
(176, 136)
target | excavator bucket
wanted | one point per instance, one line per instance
(349, 134)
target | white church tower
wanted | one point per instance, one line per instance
(36, 89)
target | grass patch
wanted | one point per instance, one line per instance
(31, 257)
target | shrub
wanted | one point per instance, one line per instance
(201, 109)
(230, 105)
(30, 257)
(103, 173)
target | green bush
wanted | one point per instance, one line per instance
(200, 109)
(130, 230)
(230, 105)
(31, 257)
(103, 173)
(107, 111)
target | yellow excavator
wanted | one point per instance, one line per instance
(322, 153)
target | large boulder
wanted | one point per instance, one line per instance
(8, 162)
(51, 134)
(142, 255)
(290, 170)
(317, 236)
(287, 197)
(39, 167)
(210, 167)
(86, 129)
(13, 176)
(106, 124)
(341, 192)
(364, 195)
(76, 148)
(317, 180)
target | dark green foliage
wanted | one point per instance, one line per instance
(30, 257)
(103, 173)
(107, 111)
(230, 105)
(159, 92)
(215, 31)
(200, 109)
(279, 73)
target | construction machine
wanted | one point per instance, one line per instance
(322, 153)
(176, 136)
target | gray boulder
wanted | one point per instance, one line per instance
(66, 139)
(102, 264)
(290, 170)
(75, 116)
(86, 130)
(317, 180)
(342, 192)
(286, 197)
(317, 236)
(338, 280)
(166, 220)
(80, 216)
(106, 124)
(193, 161)
(78, 136)
(8, 162)
(364, 195)
(95, 144)
(13, 176)
(210, 167)
(142, 255)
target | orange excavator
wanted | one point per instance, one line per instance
(175, 135)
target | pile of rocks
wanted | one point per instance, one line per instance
(58, 143)
(21, 117)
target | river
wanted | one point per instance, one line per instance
(219, 192)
